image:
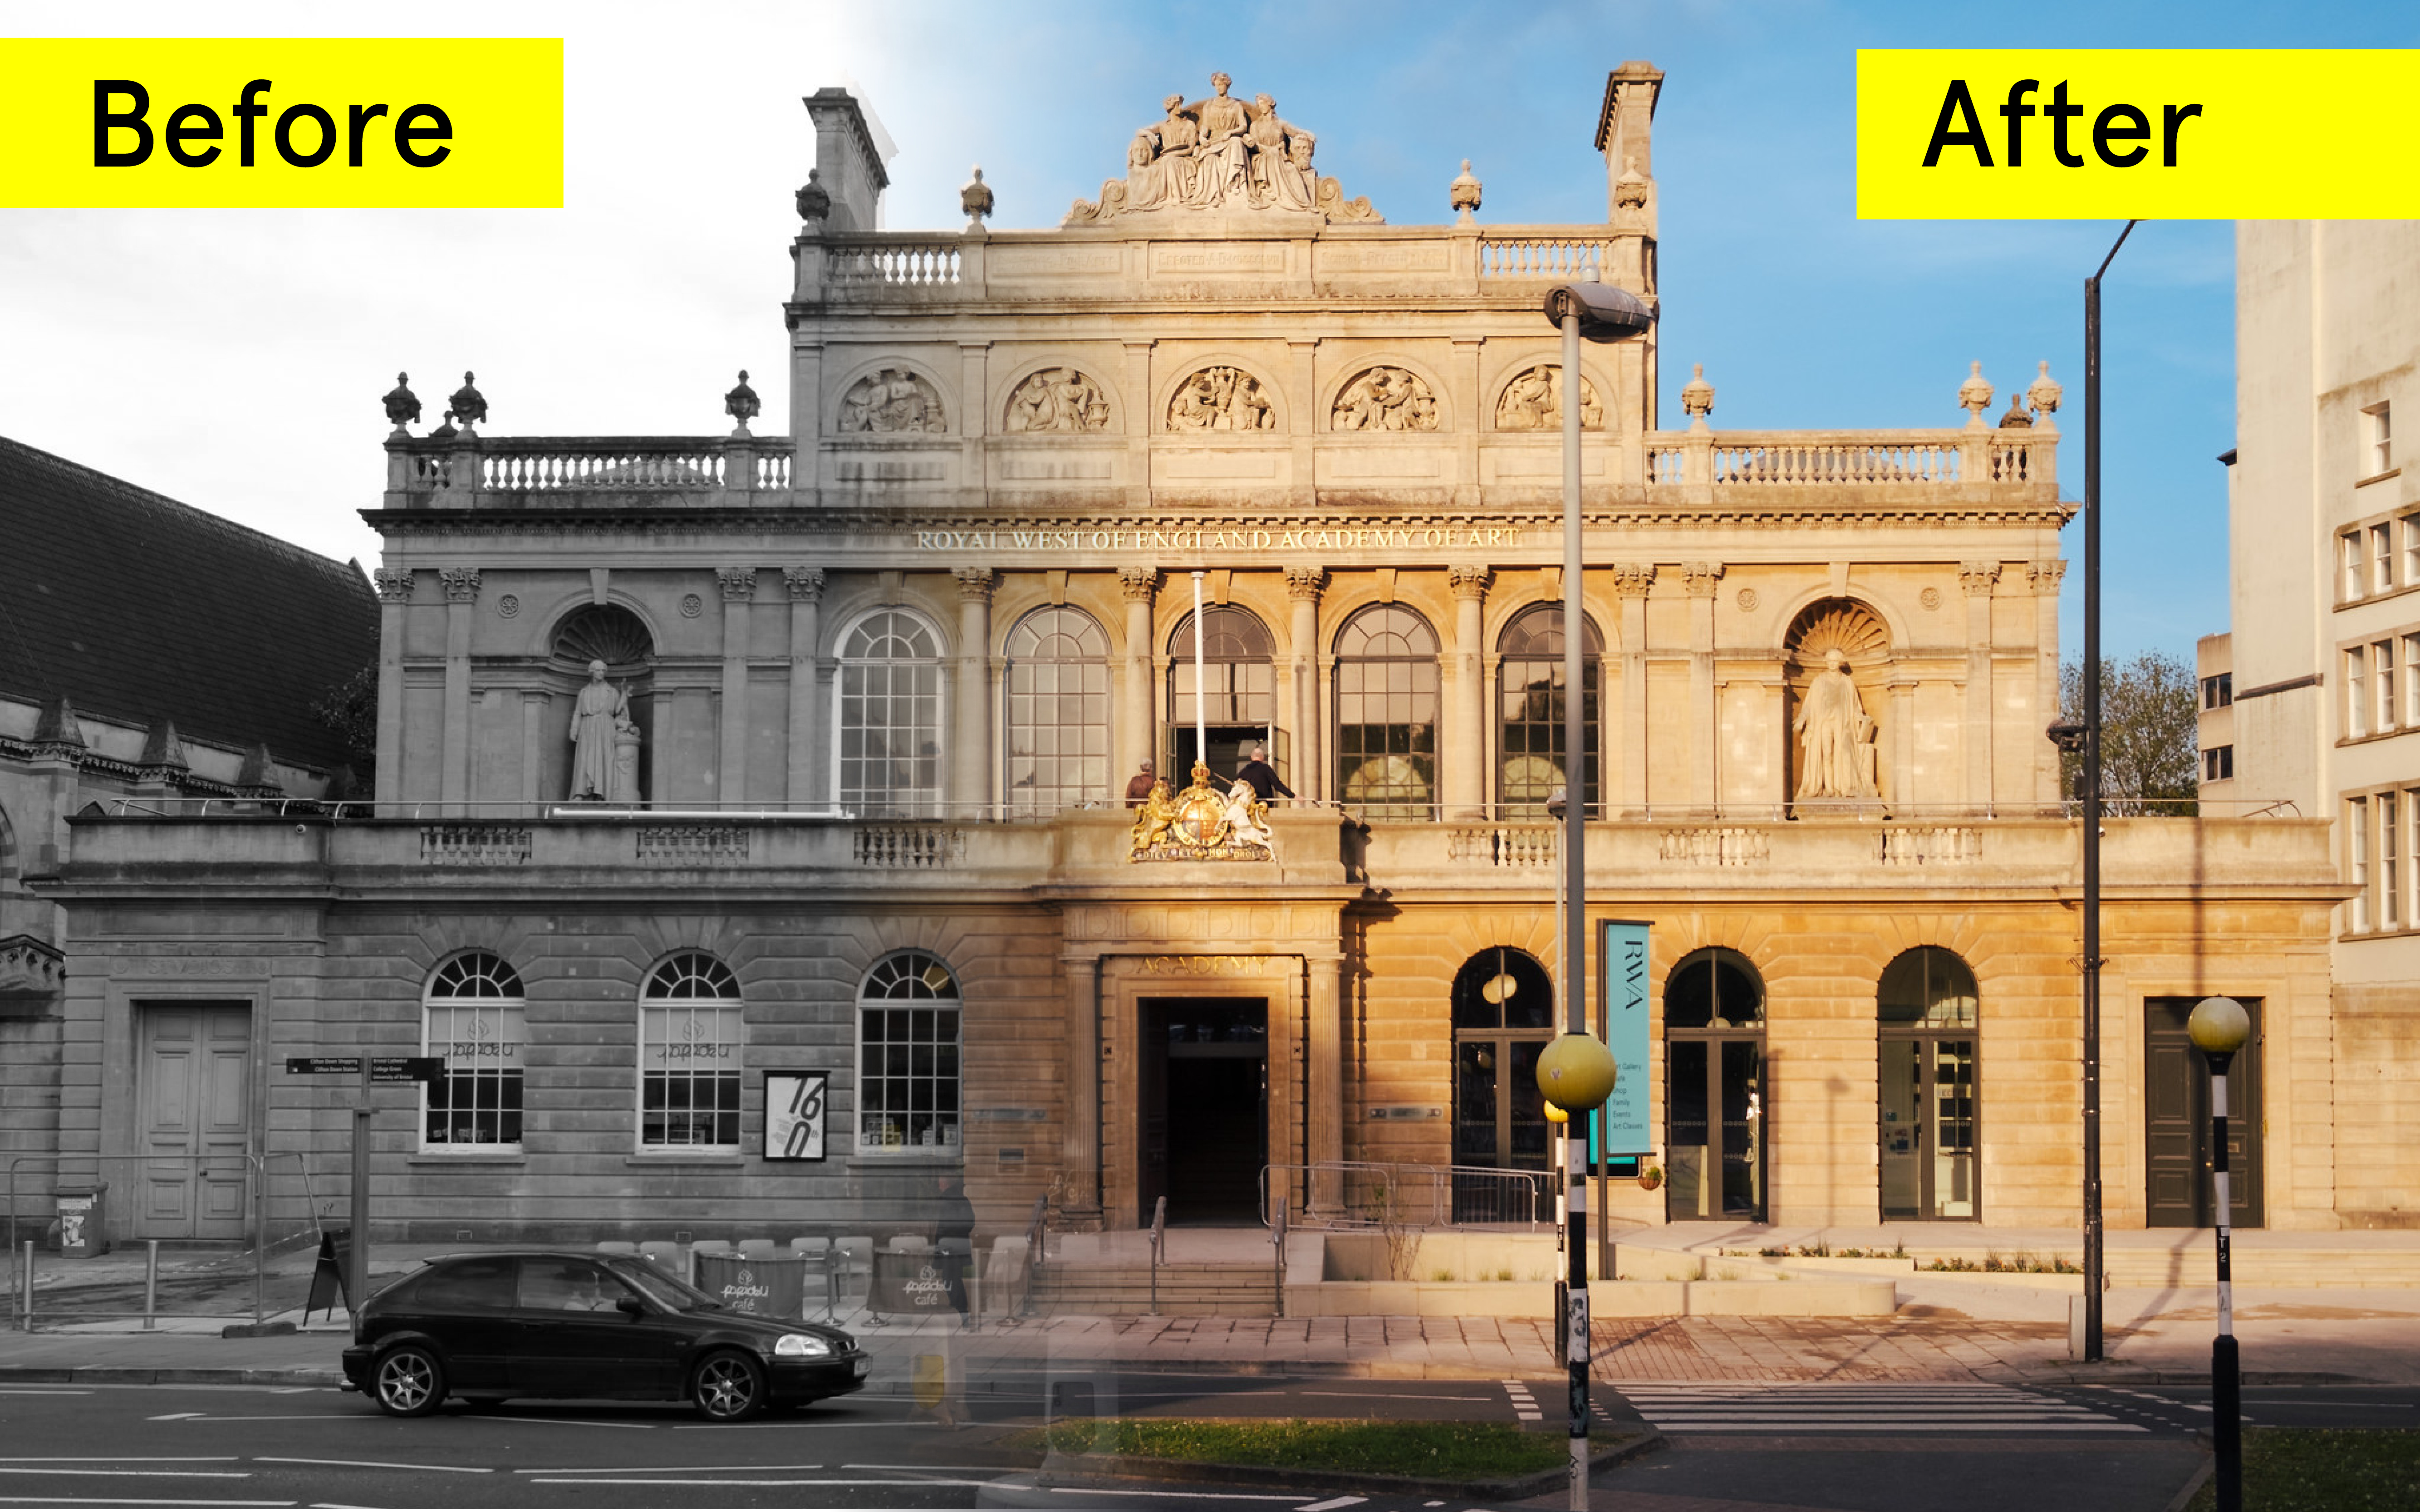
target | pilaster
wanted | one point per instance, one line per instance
(461, 601)
(395, 603)
(1303, 586)
(739, 586)
(971, 741)
(1138, 730)
(1703, 579)
(2044, 576)
(1466, 793)
(1631, 582)
(806, 590)
(1975, 578)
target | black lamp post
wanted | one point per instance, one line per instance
(2219, 1026)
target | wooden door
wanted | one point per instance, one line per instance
(2179, 1193)
(194, 1093)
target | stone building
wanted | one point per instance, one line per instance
(750, 835)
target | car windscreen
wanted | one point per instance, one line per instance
(663, 1288)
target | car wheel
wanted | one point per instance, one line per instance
(408, 1383)
(728, 1386)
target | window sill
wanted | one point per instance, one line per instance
(2376, 735)
(2376, 477)
(710, 1159)
(939, 1157)
(467, 1157)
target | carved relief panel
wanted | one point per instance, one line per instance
(1057, 399)
(895, 401)
(1221, 399)
(1385, 398)
(1534, 401)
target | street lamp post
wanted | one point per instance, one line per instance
(1595, 312)
(2219, 1026)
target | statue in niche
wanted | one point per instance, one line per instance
(1221, 154)
(1385, 398)
(1057, 399)
(625, 758)
(1836, 750)
(892, 402)
(1221, 399)
(1534, 401)
(597, 721)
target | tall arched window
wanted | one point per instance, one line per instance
(1927, 1022)
(471, 1015)
(1530, 697)
(1713, 1077)
(1387, 711)
(1058, 712)
(888, 732)
(690, 1042)
(907, 1055)
(1503, 1016)
(1240, 676)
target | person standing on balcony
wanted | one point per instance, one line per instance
(1262, 775)
(1139, 786)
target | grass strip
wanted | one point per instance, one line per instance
(2327, 1470)
(1444, 1451)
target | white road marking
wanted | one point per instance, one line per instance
(701, 1470)
(120, 1460)
(1390, 1396)
(1332, 1504)
(599, 1480)
(164, 1474)
(171, 1417)
(1107, 1490)
(40, 1391)
(369, 1464)
(132, 1501)
(270, 1417)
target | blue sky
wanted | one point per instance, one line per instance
(233, 358)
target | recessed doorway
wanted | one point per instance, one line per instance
(2179, 1193)
(1206, 1107)
(1713, 1077)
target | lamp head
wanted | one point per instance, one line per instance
(1558, 804)
(2219, 1025)
(1605, 313)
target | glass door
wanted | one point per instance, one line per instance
(1928, 1145)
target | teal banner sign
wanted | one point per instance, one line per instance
(1628, 1127)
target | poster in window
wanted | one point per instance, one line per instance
(794, 1115)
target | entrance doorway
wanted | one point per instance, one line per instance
(2176, 1122)
(1229, 745)
(194, 1095)
(1713, 1077)
(1926, 1093)
(1503, 1015)
(1206, 1107)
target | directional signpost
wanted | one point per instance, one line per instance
(376, 1070)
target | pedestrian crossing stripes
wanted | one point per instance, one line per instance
(1524, 1406)
(1860, 1407)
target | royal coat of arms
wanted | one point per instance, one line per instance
(1205, 822)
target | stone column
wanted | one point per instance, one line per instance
(971, 741)
(1303, 586)
(1705, 739)
(1079, 1153)
(394, 605)
(2045, 576)
(823, 771)
(1977, 578)
(1139, 719)
(1900, 732)
(1466, 793)
(1631, 580)
(461, 601)
(1324, 1067)
(806, 586)
(731, 768)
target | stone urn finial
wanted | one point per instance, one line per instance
(1630, 189)
(1698, 396)
(468, 405)
(814, 200)
(2016, 419)
(2045, 393)
(402, 405)
(1462, 195)
(974, 197)
(741, 404)
(1974, 395)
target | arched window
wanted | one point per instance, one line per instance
(1241, 679)
(471, 1015)
(907, 1055)
(1387, 711)
(689, 1041)
(1713, 1077)
(1058, 712)
(1529, 695)
(1503, 1016)
(1926, 1013)
(888, 732)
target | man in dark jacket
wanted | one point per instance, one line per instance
(953, 1229)
(1139, 786)
(1263, 777)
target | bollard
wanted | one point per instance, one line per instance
(29, 1285)
(151, 1284)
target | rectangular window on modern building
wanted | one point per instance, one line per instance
(2357, 862)
(2349, 565)
(2390, 855)
(2218, 764)
(2382, 659)
(2378, 440)
(2381, 559)
(2356, 704)
(2219, 691)
(2412, 549)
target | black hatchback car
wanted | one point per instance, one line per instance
(502, 1324)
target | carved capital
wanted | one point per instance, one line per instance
(1632, 580)
(1303, 584)
(1138, 584)
(1978, 577)
(975, 584)
(738, 583)
(393, 587)
(2045, 575)
(1468, 582)
(806, 584)
(1701, 578)
(461, 584)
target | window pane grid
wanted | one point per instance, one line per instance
(473, 1019)
(908, 1060)
(692, 1031)
(1057, 693)
(890, 719)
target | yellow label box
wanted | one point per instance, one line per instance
(351, 122)
(2020, 134)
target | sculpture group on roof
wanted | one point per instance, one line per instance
(1219, 153)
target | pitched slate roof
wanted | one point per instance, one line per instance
(138, 609)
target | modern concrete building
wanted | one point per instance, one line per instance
(751, 839)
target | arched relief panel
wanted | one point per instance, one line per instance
(893, 396)
(1385, 392)
(1525, 397)
(1061, 396)
(1217, 394)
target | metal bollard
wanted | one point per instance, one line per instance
(151, 1284)
(29, 1285)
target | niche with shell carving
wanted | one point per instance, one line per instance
(1835, 737)
(614, 635)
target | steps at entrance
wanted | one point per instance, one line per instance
(1194, 1291)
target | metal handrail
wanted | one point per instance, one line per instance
(1439, 1183)
(1158, 1245)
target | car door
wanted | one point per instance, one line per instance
(465, 1307)
(572, 1336)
